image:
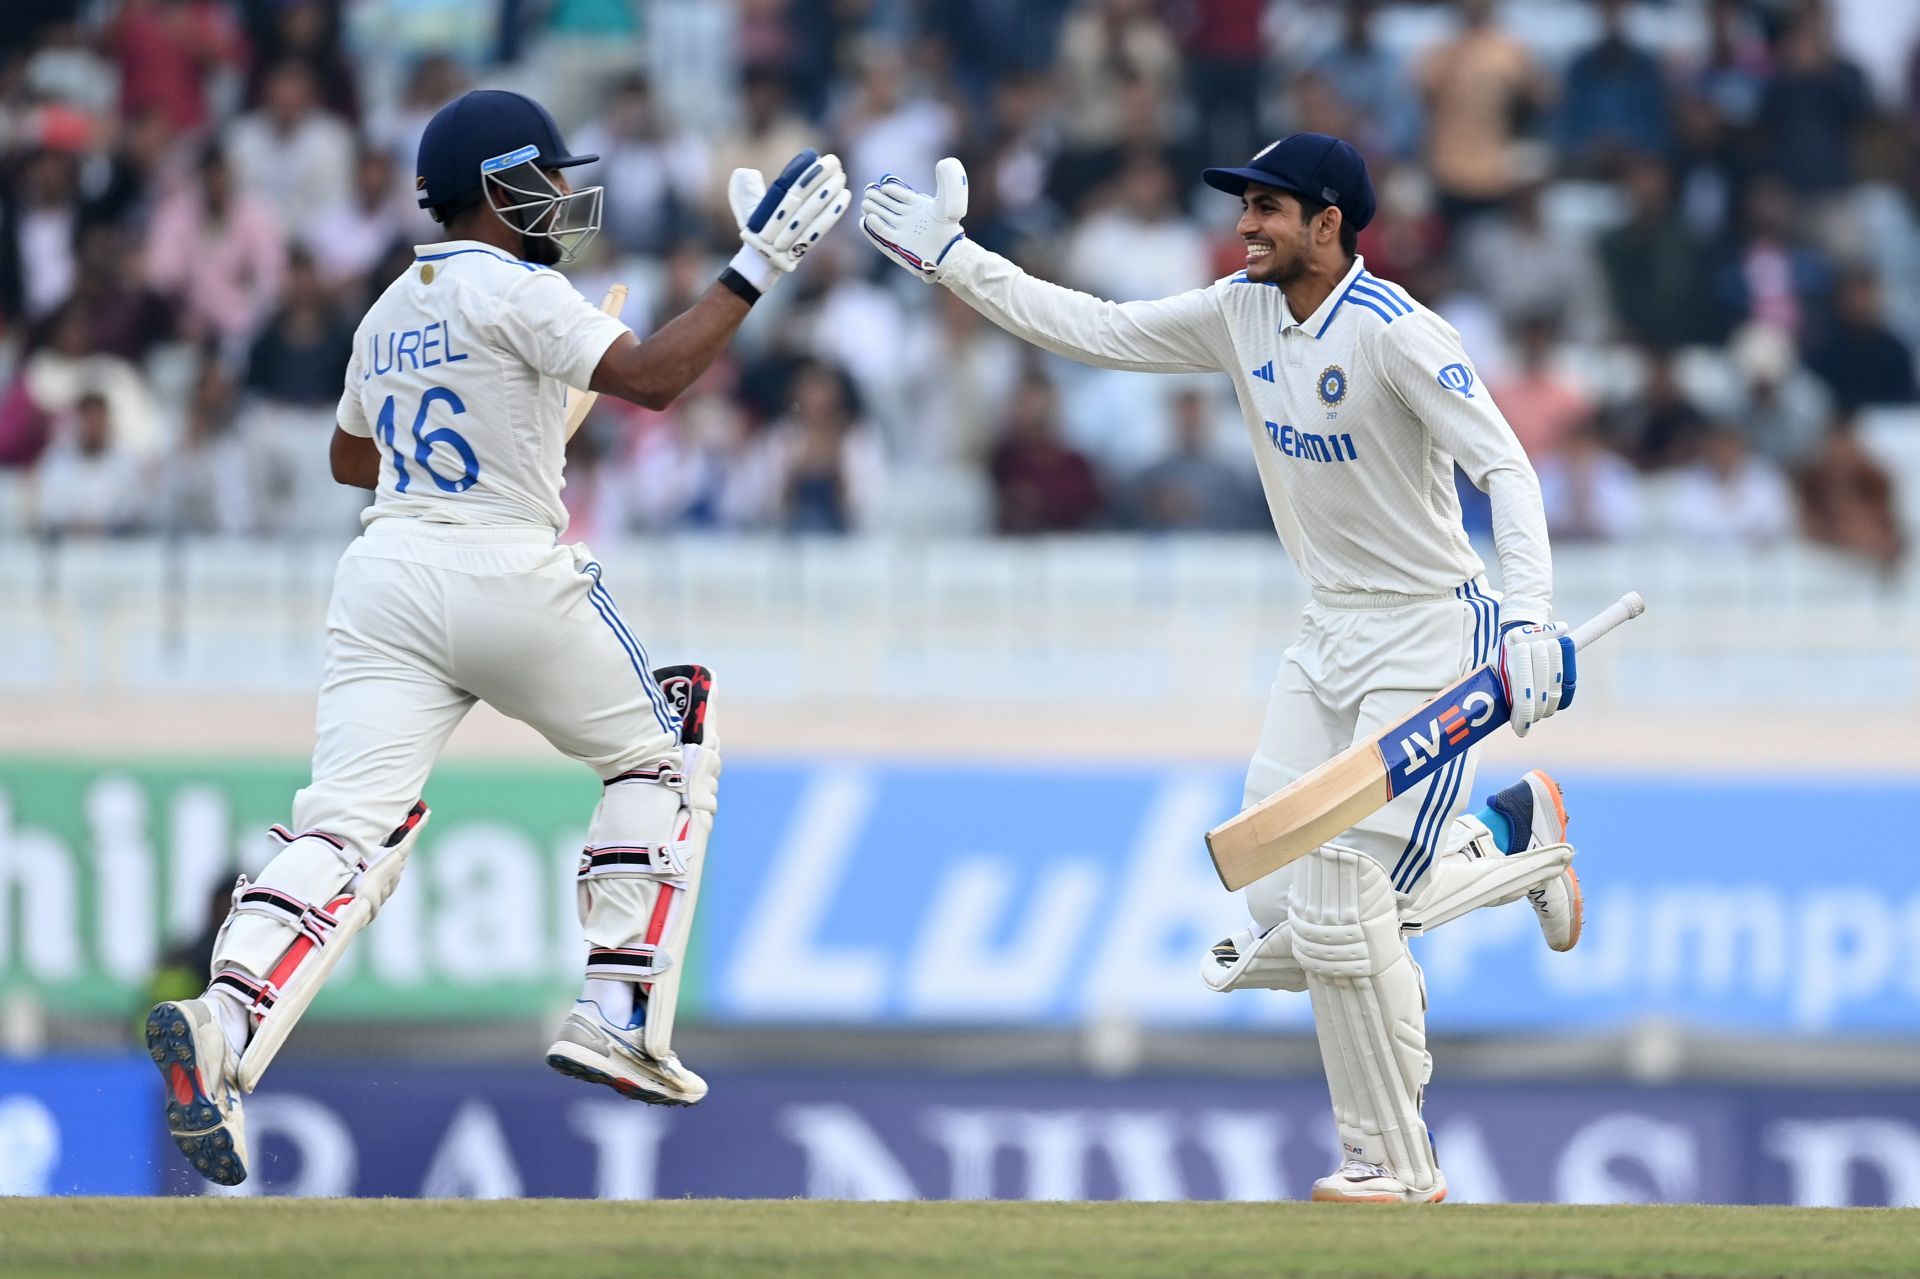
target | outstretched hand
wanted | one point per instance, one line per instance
(913, 228)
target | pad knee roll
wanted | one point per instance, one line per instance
(1251, 960)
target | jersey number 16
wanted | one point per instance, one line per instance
(424, 440)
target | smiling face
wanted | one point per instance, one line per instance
(1280, 241)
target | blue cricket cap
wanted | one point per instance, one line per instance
(1314, 165)
(488, 129)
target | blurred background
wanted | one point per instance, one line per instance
(992, 631)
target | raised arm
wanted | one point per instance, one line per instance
(1182, 334)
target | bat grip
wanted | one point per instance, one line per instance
(1624, 609)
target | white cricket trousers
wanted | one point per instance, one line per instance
(1362, 662)
(426, 620)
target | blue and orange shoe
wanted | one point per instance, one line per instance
(1537, 809)
(189, 1045)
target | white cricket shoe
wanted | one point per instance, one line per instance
(189, 1045)
(1536, 807)
(1359, 1182)
(594, 1049)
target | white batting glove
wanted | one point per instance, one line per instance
(913, 228)
(779, 223)
(1537, 666)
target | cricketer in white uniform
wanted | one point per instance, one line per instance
(453, 413)
(1358, 403)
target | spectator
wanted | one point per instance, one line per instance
(1192, 488)
(1373, 82)
(308, 32)
(1773, 276)
(1783, 408)
(1591, 493)
(1482, 89)
(40, 219)
(1733, 73)
(169, 52)
(219, 254)
(1846, 499)
(66, 367)
(207, 485)
(1544, 405)
(769, 134)
(656, 176)
(291, 152)
(961, 372)
(86, 485)
(1661, 428)
(826, 465)
(295, 371)
(1859, 358)
(348, 237)
(1710, 168)
(1105, 47)
(1652, 263)
(1527, 269)
(891, 126)
(1731, 497)
(1615, 99)
(1041, 484)
(1138, 246)
(1222, 43)
(123, 317)
(1812, 107)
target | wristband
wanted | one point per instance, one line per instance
(754, 270)
(735, 283)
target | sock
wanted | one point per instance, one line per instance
(1501, 826)
(234, 1018)
(615, 999)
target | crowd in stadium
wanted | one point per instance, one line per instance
(1686, 267)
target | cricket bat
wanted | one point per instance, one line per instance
(1360, 780)
(578, 401)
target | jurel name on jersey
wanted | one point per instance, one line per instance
(418, 345)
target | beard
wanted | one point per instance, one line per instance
(539, 250)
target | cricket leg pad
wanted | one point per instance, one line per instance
(289, 928)
(640, 873)
(1254, 960)
(1461, 882)
(1370, 1011)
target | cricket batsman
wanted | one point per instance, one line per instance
(457, 592)
(1358, 402)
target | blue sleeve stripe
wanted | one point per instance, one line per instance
(1391, 290)
(1360, 288)
(1375, 307)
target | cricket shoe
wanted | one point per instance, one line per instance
(1359, 1182)
(1539, 814)
(189, 1045)
(592, 1048)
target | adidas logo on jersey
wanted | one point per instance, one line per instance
(1291, 441)
(1265, 374)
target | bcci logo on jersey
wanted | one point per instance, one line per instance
(1308, 447)
(1332, 385)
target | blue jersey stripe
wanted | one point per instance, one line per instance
(454, 253)
(1360, 288)
(1391, 290)
(1372, 306)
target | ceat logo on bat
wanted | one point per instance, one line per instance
(1439, 731)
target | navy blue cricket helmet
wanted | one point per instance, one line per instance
(496, 144)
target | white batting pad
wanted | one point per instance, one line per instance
(1461, 882)
(1251, 960)
(646, 847)
(1369, 1007)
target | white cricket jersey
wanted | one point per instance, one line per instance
(1357, 415)
(460, 374)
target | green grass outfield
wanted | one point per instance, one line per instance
(683, 1239)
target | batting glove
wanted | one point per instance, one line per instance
(1537, 666)
(913, 228)
(779, 223)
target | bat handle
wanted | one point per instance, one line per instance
(1624, 609)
